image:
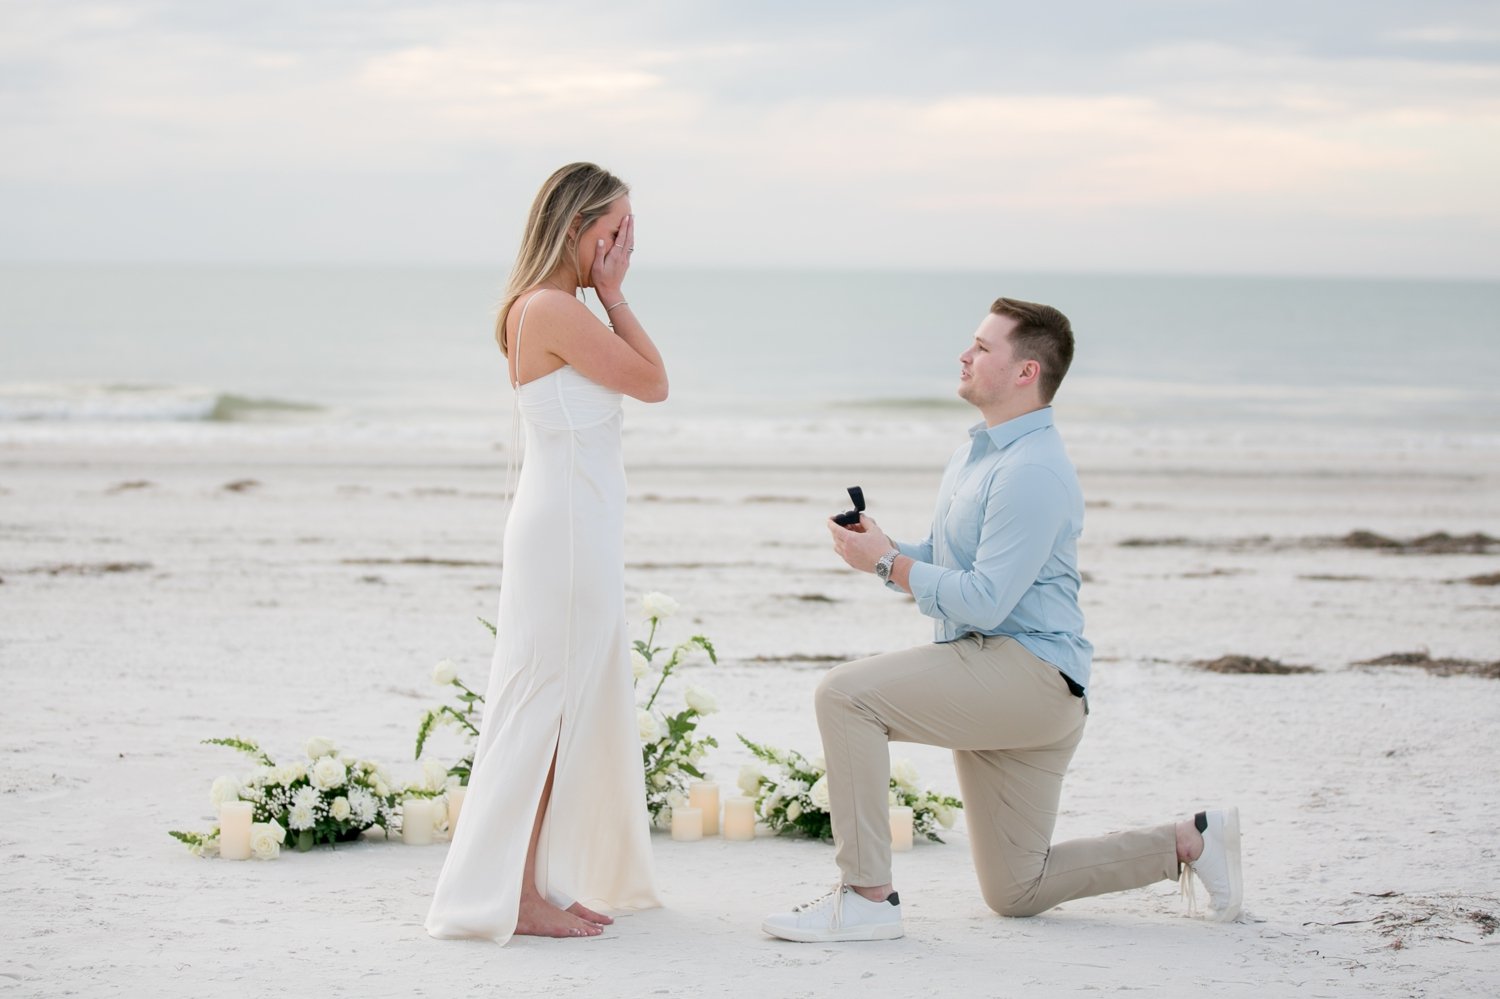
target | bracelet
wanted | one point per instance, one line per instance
(610, 308)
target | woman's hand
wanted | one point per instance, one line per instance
(612, 261)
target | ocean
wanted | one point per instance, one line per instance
(154, 349)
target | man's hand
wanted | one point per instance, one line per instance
(861, 545)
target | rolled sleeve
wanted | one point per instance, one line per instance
(1025, 510)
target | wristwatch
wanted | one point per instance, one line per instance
(885, 565)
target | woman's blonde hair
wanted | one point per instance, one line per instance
(572, 199)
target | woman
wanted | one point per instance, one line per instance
(555, 818)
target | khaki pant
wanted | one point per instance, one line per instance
(1013, 726)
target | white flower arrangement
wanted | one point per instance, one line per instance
(323, 800)
(791, 794)
(670, 751)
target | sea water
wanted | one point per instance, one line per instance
(94, 349)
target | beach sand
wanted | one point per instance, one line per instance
(155, 594)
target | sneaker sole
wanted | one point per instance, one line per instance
(877, 931)
(1232, 856)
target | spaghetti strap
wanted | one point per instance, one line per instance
(520, 324)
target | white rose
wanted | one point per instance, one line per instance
(658, 781)
(258, 777)
(320, 746)
(381, 788)
(818, 793)
(328, 773)
(646, 722)
(440, 813)
(300, 817)
(445, 672)
(224, 789)
(677, 800)
(820, 764)
(340, 809)
(793, 811)
(904, 774)
(701, 700)
(793, 788)
(266, 839)
(659, 605)
(890, 799)
(749, 780)
(697, 753)
(945, 815)
(639, 664)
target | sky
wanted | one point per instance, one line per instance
(1344, 137)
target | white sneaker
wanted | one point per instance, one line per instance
(1218, 866)
(842, 914)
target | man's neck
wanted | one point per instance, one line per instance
(999, 414)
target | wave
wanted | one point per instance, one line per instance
(136, 403)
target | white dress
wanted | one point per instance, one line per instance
(560, 680)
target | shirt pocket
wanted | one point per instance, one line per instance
(961, 526)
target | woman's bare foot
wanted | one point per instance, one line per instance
(540, 918)
(584, 912)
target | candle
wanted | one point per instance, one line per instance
(234, 829)
(687, 824)
(739, 818)
(455, 805)
(418, 815)
(706, 796)
(900, 827)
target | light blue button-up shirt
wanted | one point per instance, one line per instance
(1002, 558)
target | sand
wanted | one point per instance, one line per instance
(146, 605)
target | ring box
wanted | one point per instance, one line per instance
(851, 517)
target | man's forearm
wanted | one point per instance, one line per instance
(901, 572)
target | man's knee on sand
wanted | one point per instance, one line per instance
(1014, 900)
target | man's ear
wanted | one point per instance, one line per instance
(1030, 372)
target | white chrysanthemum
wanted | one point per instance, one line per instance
(445, 672)
(639, 664)
(646, 722)
(904, 774)
(362, 806)
(308, 798)
(224, 789)
(434, 775)
(300, 817)
(320, 746)
(700, 700)
(794, 811)
(266, 839)
(340, 809)
(328, 773)
(818, 793)
(659, 605)
(945, 815)
(750, 777)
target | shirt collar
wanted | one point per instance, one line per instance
(1003, 435)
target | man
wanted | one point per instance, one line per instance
(1004, 683)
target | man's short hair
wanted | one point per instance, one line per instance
(1042, 334)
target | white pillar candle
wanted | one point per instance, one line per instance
(687, 824)
(455, 805)
(739, 818)
(705, 795)
(234, 829)
(900, 828)
(418, 815)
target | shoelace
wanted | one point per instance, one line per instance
(1185, 883)
(837, 895)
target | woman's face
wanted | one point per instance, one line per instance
(607, 229)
